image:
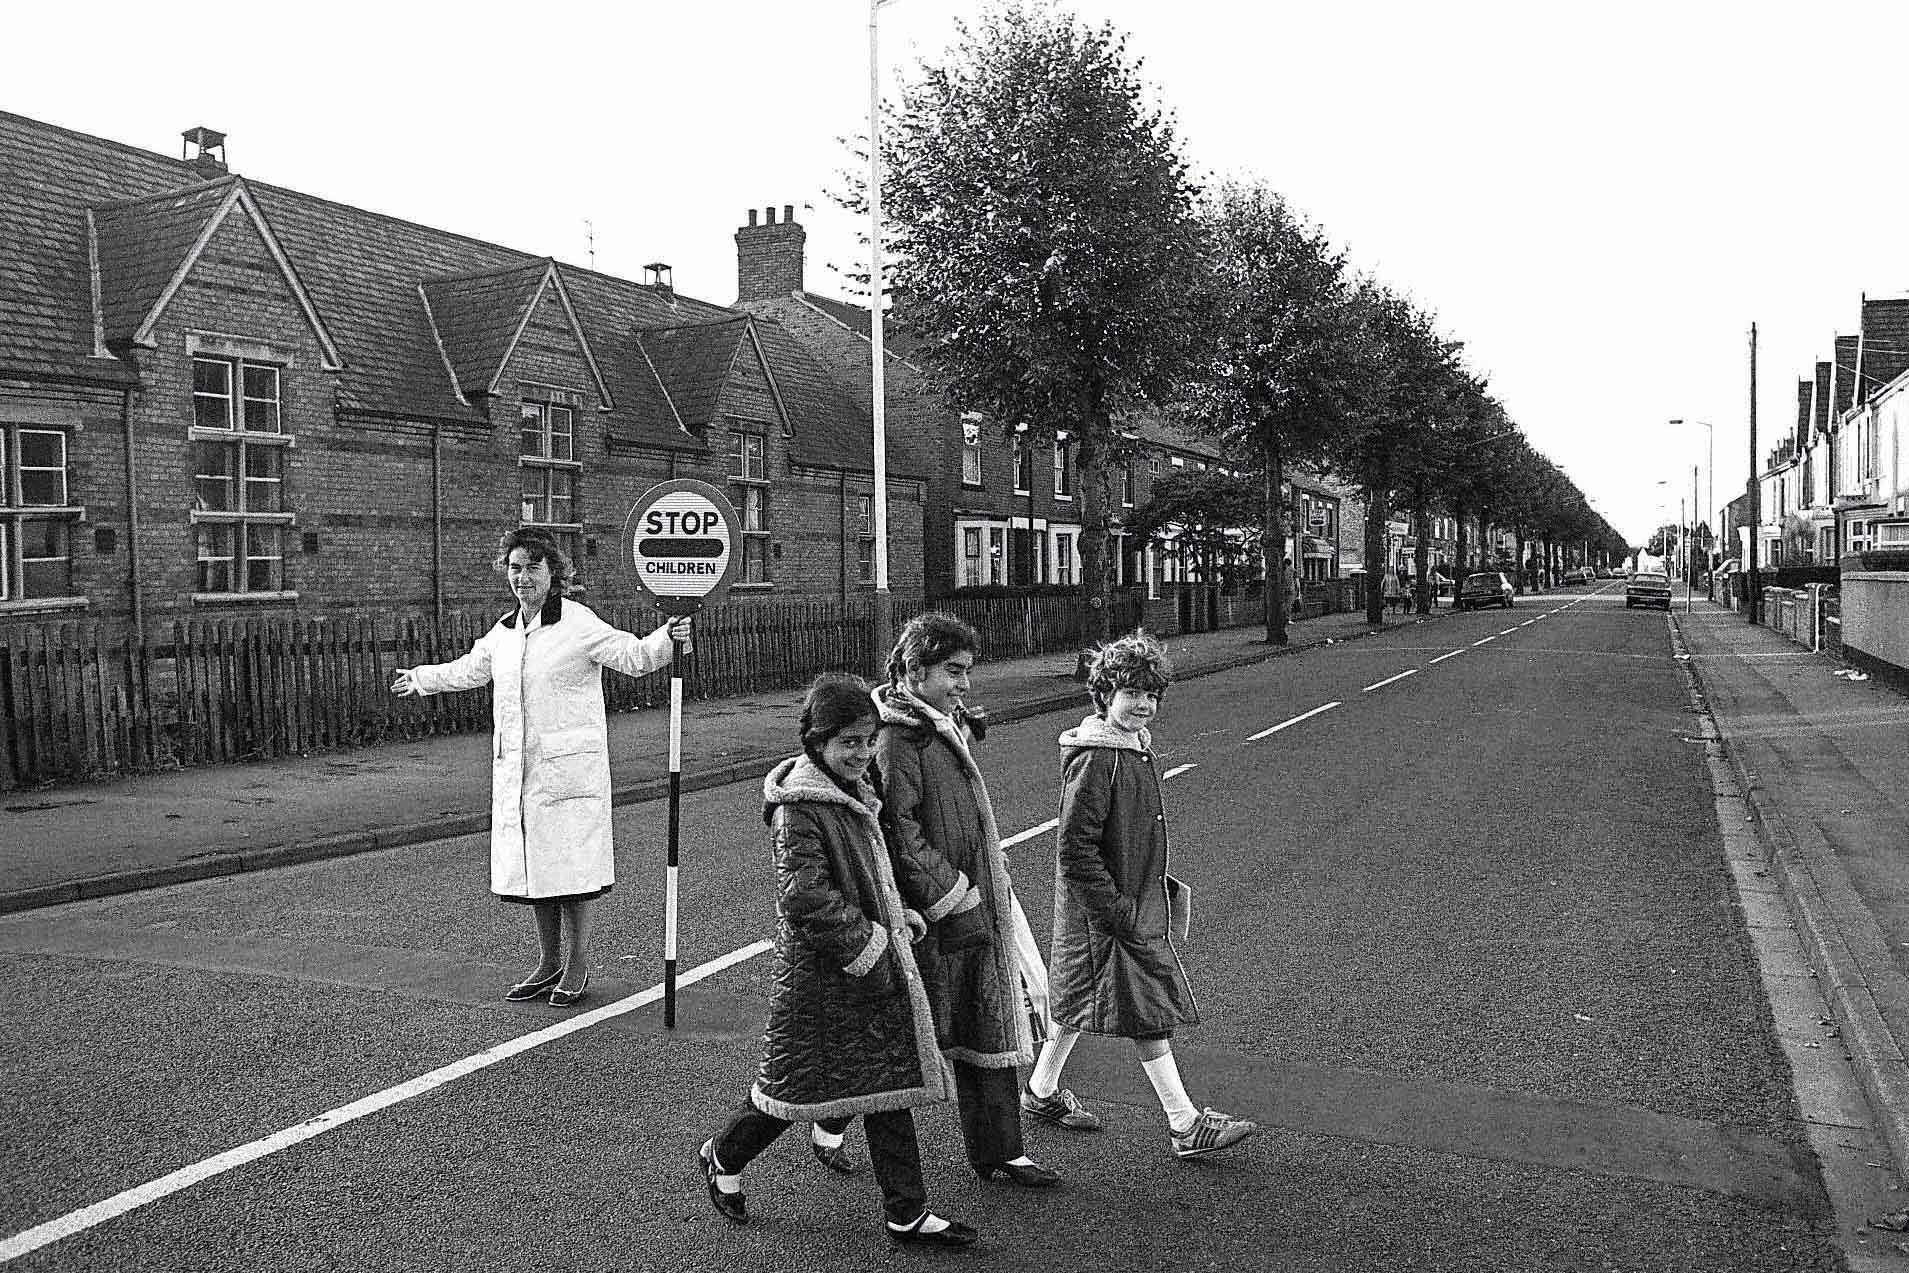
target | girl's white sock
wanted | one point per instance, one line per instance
(1164, 1074)
(1046, 1078)
(827, 1140)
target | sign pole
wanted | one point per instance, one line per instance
(679, 545)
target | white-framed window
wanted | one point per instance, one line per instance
(1023, 465)
(1859, 535)
(1063, 467)
(865, 538)
(749, 493)
(746, 455)
(1153, 466)
(1063, 557)
(548, 469)
(1892, 534)
(36, 519)
(997, 554)
(1126, 484)
(240, 514)
(1178, 462)
(972, 569)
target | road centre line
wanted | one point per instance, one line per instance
(1388, 680)
(1527, 623)
(1030, 833)
(1179, 769)
(1264, 733)
(1450, 655)
(1508, 631)
(119, 1204)
(1482, 640)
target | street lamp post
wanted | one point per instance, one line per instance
(878, 392)
(1710, 474)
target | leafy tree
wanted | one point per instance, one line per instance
(1205, 512)
(1044, 241)
(1275, 384)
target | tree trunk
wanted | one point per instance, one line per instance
(1378, 506)
(1422, 555)
(1272, 541)
(1458, 559)
(1095, 498)
(1518, 547)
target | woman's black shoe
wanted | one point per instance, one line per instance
(956, 1234)
(532, 989)
(835, 1158)
(732, 1207)
(1031, 1175)
(561, 998)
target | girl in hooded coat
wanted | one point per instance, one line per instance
(1113, 968)
(937, 815)
(849, 1028)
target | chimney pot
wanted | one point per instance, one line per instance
(752, 216)
(788, 212)
(769, 215)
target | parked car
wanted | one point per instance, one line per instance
(1578, 574)
(1485, 588)
(1647, 588)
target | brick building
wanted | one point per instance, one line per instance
(222, 397)
(1000, 508)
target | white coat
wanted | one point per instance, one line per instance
(550, 752)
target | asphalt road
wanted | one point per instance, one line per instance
(1465, 942)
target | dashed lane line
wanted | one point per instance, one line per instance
(1452, 655)
(1508, 631)
(1388, 680)
(1177, 770)
(1286, 724)
(119, 1204)
(1484, 640)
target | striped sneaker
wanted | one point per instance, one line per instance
(1211, 1132)
(1063, 1109)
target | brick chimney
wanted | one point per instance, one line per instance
(210, 160)
(769, 256)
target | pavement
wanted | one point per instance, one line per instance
(68, 842)
(1822, 761)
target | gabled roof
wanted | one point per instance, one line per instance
(1884, 351)
(692, 363)
(1843, 375)
(1805, 400)
(479, 317)
(144, 248)
(1819, 417)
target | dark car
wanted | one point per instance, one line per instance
(1486, 588)
(1647, 588)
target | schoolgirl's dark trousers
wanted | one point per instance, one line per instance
(893, 1153)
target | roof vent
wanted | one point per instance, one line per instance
(657, 275)
(211, 155)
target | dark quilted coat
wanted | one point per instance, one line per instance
(1113, 969)
(936, 811)
(849, 1027)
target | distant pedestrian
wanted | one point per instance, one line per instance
(1393, 589)
(1113, 969)
(849, 1029)
(551, 845)
(937, 811)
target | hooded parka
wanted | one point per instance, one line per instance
(550, 751)
(849, 1027)
(1113, 968)
(936, 810)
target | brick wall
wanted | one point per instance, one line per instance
(769, 256)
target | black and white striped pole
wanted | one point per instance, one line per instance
(679, 543)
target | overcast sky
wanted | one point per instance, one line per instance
(1598, 200)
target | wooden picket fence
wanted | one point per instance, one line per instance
(79, 700)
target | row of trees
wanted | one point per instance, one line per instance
(1064, 270)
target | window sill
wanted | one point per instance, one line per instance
(966, 485)
(1063, 499)
(752, 587)
(197, 515)
(199, 433)
(244, 598)
(43, 605)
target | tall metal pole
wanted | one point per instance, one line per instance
(1754, 599)
(878, 394)
(671, 863)
(1689, 558)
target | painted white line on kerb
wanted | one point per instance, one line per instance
(1376, 685)
(1482, 640)
(1441, 658)
(1179, 769)
(120, 1203)
(1030, 833)
(1294, 721)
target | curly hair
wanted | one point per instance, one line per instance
(541, 546)
(1134, 662)
(928, 639)
(835, 701)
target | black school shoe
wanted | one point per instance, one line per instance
(732, 1207)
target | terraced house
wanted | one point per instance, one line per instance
(219, 396)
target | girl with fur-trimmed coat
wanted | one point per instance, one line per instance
(937, 811)
(849, 1028)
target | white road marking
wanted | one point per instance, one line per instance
(1294, 721)
(1508, 631)
(1030, 833)
(1178, 769)
(1482, 640)
(1388, 680)
(1441, 658)
(119, 1204)
(1527, 623)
